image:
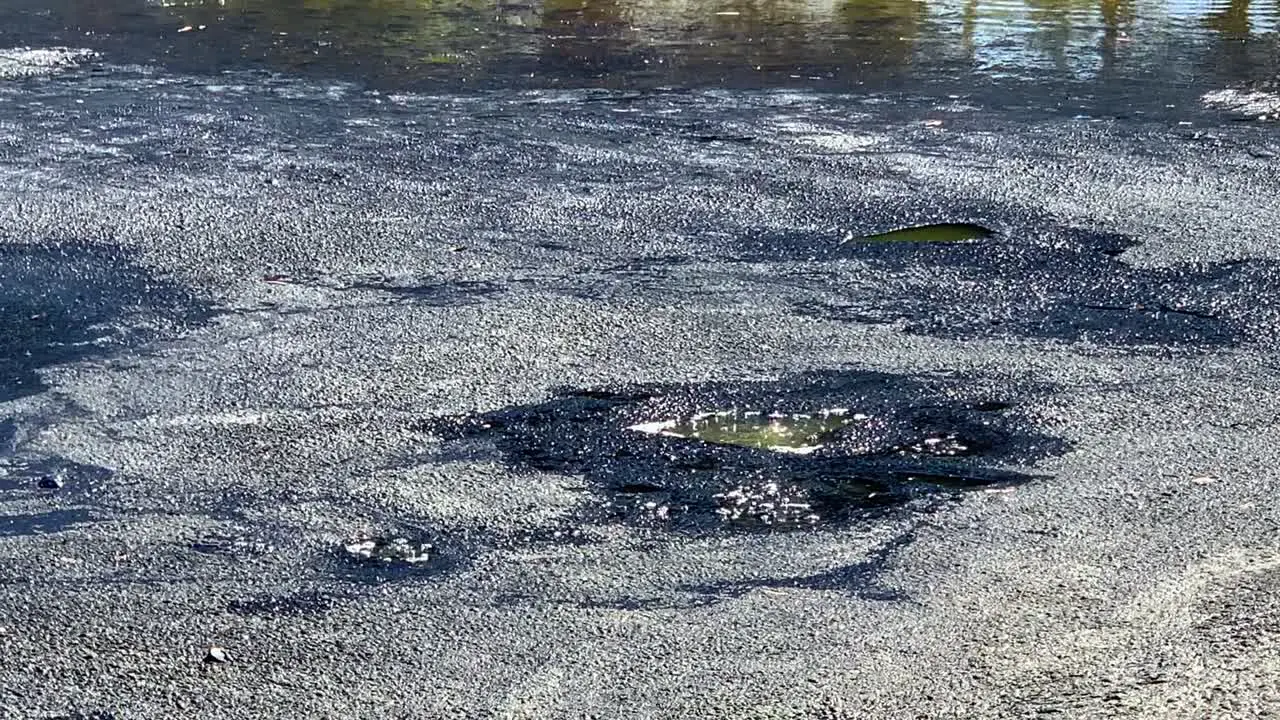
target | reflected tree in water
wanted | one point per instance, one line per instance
(1117, 19)
(401, 33)
(589, 38)
(1240, 51)
(1064, 29)
(700, 42)
(1232, 21)
(882, 33)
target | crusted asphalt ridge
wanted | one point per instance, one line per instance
(1073, 289)
(264, 237)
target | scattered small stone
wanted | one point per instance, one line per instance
(217, 655)
(768, 504)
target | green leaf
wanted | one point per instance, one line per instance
(940, 233)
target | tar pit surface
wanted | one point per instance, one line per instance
(816, 449)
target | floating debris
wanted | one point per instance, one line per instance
(939, 233)
(388, 550)
(795, 433)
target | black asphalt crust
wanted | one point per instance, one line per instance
(918, 438)
(66, 301)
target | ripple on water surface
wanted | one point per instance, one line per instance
(1131, 48)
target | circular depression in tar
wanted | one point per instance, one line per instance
(807, 451)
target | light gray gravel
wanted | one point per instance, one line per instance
(256, 286)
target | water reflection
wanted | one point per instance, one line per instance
(794, 433)
(1232, 21)
(841, 43)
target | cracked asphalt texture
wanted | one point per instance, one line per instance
(229, 299)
